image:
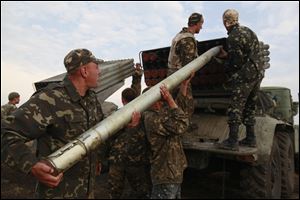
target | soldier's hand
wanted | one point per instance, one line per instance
(44, 173)
(138, 66)
(135, 119)
(138, 69)
(165, 94)
(222, 54)
(188, 80)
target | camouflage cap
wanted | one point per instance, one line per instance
(231, 17)
(194, 18)
(78, 57)
(13, 95)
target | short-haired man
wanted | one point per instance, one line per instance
(184, 50)
(55, 116)
(7, 109)
(245, 75)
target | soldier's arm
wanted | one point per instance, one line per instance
(136, 79)
(235, 54)
(3, 113)
(184, 98)
(176, 122)
(24, 125)
(186, 50)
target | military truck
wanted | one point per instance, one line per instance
(264, 172)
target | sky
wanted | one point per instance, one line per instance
(36, 36)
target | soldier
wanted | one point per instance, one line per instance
(7, 109)
(127, 156)
(245, 75)
(164, 127)
(55, 116)
(184, 49)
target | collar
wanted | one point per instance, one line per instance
(185, 30)
(232, 28)
(71, 90)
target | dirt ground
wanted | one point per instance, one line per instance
(196, 185)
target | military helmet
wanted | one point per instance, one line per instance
(231, 17)
(13, 95)
(194, 18)
(78, 57)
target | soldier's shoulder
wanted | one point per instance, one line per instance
(49, 89)
(4, 106)
(187, 40)
(8, 106)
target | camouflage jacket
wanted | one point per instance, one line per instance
(136, 81)
(164, 129)
(243, 50)
(129, 147)
(7, 109)
(183, 50)
(54, 116)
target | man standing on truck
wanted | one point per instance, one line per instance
(244, 75)
(184, 49)
(55, 116)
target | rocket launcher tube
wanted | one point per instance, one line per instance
(71, 153)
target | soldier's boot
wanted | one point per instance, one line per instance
(250, 139)
(232, 142)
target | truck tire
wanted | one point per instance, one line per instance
(264, 180)
(287, 163)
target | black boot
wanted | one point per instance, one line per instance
(232, 142)
(250, 139)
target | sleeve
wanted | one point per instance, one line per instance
(3, 112)
(235, 54)
(174, 123)
(136, 81)
(186, 103)
(27, 123)
(186, 50)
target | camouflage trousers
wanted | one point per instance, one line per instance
(166, 191)
(243, 102)
(138, 177)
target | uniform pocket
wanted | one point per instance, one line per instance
(75, 125)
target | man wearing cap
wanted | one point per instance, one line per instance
(244, 76)
(184, 49)
(7, 109)
(54, 116)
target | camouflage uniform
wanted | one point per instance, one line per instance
(7, 109)
(128, 158)
(183, 50)
(164, 129)
(244, 74)
(54, 116)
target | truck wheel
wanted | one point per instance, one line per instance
(264, 180)
(287, 163)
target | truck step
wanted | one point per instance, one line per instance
(212, 147)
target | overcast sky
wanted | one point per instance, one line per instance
(36, 36)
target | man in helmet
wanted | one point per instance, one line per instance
(244, 77)
(7, 109)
